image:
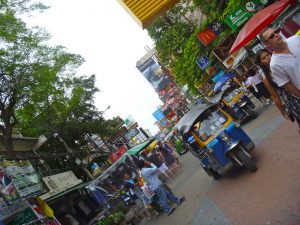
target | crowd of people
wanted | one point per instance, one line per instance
(148, 180)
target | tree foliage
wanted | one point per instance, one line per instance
(176, 42)
(39, 92)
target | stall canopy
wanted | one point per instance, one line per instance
(223, 80)
(138, 148)
(258, 22)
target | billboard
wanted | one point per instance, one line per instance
(154, 74)
(158, 115)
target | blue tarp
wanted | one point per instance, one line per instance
(218, 76)
(223, 80)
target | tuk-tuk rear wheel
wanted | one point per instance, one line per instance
(246, 160)
(213, 173)
(251, 113)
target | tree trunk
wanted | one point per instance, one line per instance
(88, 172)
(7, 141)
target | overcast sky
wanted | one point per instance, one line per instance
(111, 42)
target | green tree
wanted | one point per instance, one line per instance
(28, 67)
(176, 42)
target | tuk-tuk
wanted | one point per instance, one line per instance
(219, 142)
(236, 103)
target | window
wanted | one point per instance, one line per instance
(212, 122)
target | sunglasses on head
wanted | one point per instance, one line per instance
(277, 31)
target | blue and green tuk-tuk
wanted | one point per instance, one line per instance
(218, 141)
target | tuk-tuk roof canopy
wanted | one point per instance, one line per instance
(187, 122)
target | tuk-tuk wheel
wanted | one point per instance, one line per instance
(251, 113)
(214, 174)
(246, 160)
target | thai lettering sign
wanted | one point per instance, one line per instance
(239, 16)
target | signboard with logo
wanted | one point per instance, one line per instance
(221, 51)
(210, 32)
(18, 179)
(235, 58)
(216, 27)
(202, 62)
(131, 133)
(239, 16)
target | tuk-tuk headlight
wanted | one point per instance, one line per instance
(224, 137)
(237, 124)
(210, 150)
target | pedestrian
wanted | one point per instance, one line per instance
(171, 148)
(285, 60)
(146, 196)
(157, 159)
(150, 173)
(258, 89)
(288, 105)
(169, 159)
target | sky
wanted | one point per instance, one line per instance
(111, 42)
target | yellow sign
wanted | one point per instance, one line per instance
(145, 12)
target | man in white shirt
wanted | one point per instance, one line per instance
(285, 62)
(150, 173)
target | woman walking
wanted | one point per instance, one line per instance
(288, 105)
(257, 87)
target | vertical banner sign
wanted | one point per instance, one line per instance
(203, 62)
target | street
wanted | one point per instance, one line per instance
(268, 196)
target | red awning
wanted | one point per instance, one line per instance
(258, 22)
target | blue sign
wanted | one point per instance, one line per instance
(158, 115)
(216, 27)
(203, 62)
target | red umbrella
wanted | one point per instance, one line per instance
(258, 22)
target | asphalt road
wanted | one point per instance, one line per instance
(268, 196)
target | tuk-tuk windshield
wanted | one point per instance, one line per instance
(231, 95)
(210, 124)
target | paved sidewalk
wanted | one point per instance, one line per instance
(268, 196)
(271, 195)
